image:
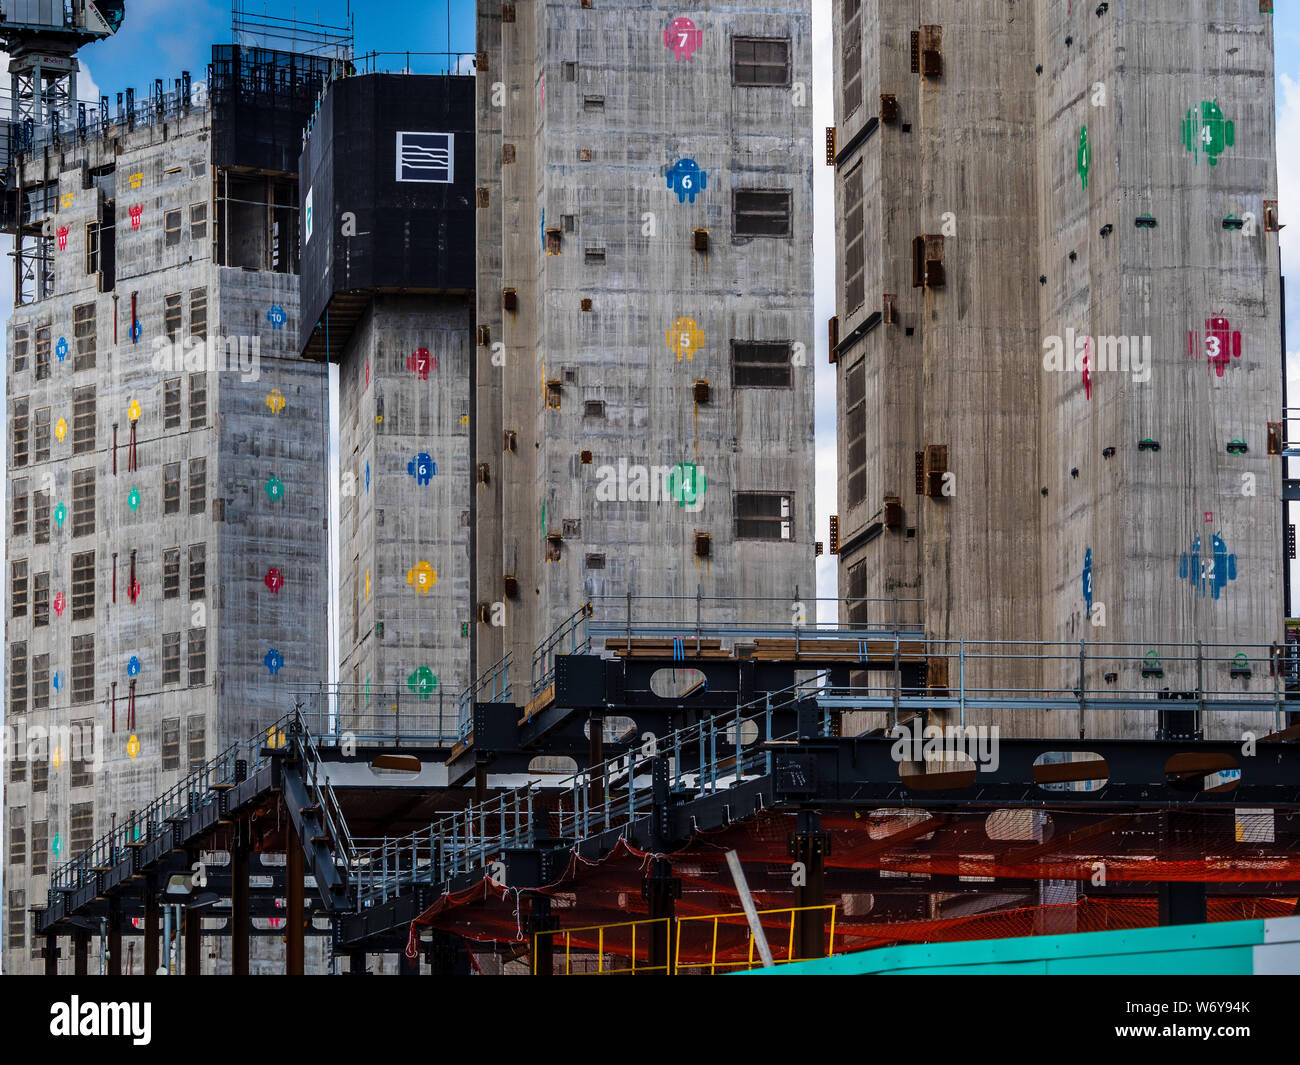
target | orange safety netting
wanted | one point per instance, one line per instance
(1020, 845)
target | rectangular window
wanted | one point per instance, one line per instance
(83, 332)
(172, 488)
(855, 417)
(196, 738)
(40, 684)
(858, 593)
(198, 221)
(852, 69)
(20, 432)
(41, 770)
(172, 315)
(198, 657)
(172, 573)
(199, 313)
(92, 247)
(172, 227)
(17, 769)
(764, 516)
(17, 678)
(17, 835)
(83, 668)
(198, 400)
(855, 260)
(83, 502)
(81, 827)
(172, 403)
(198, 571)
(83, 585)
(198, 485)
(41, 599)
(83, 420)
(171, 657)
(171, 743)
(18, 589)
(22, 350)
(21, 507)
(83, 744)
(40, 847)
(42, 353)
(41, 435)
(41, 517)
(760, 61)
(759, 364)
(16, 926)
(760, 213)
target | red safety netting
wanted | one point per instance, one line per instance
(1018, 847)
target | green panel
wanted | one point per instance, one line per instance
(1222, 947)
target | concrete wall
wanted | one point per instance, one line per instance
(988, 155)
(597, 110)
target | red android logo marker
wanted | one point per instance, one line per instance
(1221, 345)
(421, 362)
(63, 238)
(136, 212)
(274, 580)
(1087, 374)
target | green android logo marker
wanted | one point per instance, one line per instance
(1084, 157)
(1206, 130)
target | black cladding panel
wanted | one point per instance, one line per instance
(386, 195)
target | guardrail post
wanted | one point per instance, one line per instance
(1200, 690)
(1083, 650)
(961, 679)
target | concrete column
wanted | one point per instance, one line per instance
(240, 902)
(294, 945)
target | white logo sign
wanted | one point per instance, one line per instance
(425, 157)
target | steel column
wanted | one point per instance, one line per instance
(80, 952)
(808, 847)
(660, 890)
(114, 961)
(51, 954)
(240, 912)
(193, 942)
(151, 930)
(294, 946)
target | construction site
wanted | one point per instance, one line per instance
(475, 628)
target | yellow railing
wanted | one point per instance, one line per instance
(623, 949)
(609, 940)
(713, 964)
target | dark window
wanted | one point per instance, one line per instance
(41, 517)
(171, 742)
(20, 432)
(40, 685)
(854, 242)
(21, 507)
(16, 926)
(17, 835)
(198, 400)
(83, 585)
(855, 415)
(198, 221)
(764, 516)
(42, 353)
(172, 573)
(758, 364)
(199, 313)
(172, 403)
(83, 668)
(41, 599)
(83, 746)
(22, 350)
(858, 593)
(760, 61)
(172, 488)
(83, 420)
(171, 657)
(18, 588)
(852, 70)
(81, 827)
(760, 213)
(198, 485)
(83, 502)
(41, 435)
(198, 571)
(17, 678)
(172, 227)
(172, 313)
(198, 658)
(83, 332)
(196, 740)
(40, 847)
